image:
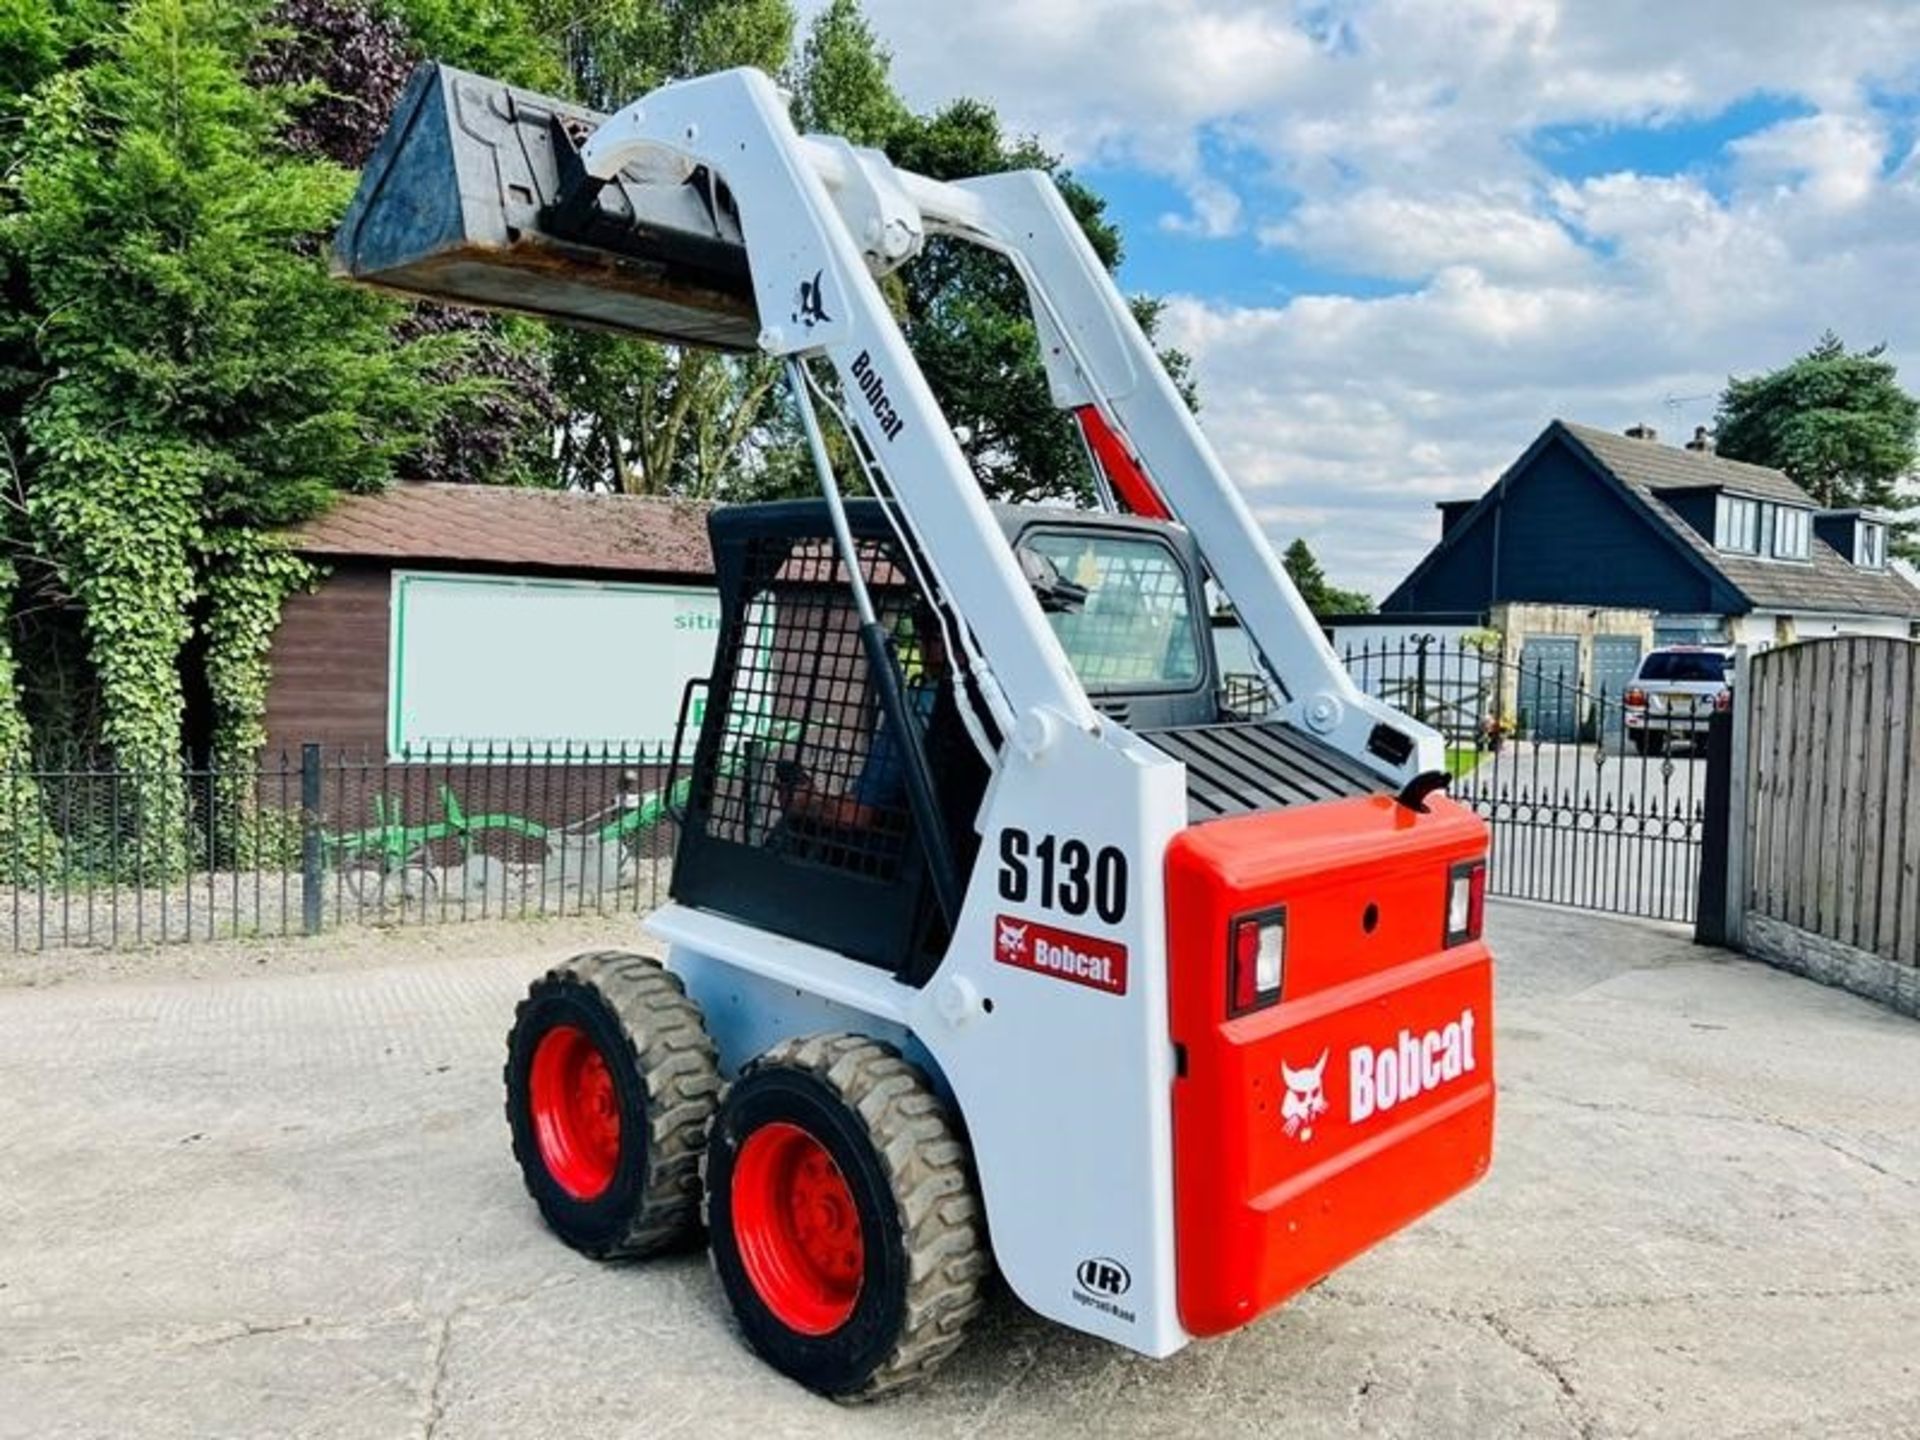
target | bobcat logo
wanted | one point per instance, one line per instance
(1306, 1098)
(812, 309)
(1013, 939)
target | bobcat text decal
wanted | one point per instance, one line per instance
(1083, 959)
(1414, 1064)
(875, 389)
(1418, 1061)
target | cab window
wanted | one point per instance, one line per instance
(1133, 626)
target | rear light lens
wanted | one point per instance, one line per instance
(1723, 701)
(1258, 961)
(1466, 902)
(1636, 699)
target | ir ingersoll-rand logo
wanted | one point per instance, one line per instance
(1081, 959)
(1098, 1283)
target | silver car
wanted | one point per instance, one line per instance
(1674, 693)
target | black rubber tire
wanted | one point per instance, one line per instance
(926, 1253)
(666, 1078)
(1638, 739)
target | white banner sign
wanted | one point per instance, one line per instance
(479, 660)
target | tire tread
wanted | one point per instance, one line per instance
(927, 1168)
(670, 1050)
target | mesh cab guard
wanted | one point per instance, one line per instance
(797, 819)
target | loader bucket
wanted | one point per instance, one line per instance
(474, 197)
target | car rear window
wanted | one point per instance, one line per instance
(1684, 665)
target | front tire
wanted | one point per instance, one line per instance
(611, 1080)
(842, 1216)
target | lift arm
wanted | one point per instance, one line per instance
(698, 214)
(821, 219)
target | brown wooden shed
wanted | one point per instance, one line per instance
(330, 654)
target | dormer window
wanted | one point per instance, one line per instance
(1760, 527)
(1737, 525)
(1870, 552)
(1792, 532)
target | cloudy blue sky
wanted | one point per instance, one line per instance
(1399, 235)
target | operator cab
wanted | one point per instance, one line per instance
(799, 818)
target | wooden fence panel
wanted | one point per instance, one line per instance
(1898, 801)
(1853, 800)
(1900, 875)
(1833, 819)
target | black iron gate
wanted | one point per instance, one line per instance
(1589, 806)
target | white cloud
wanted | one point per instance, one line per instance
(1344, 418)
(1394, 139)
(1444, 82)
(1215, 211)
(1833, 160)
(1377, 231)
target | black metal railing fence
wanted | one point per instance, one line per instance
(1592, 802)
(96, 855)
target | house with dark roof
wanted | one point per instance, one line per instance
(454, 616)
(1719, 551)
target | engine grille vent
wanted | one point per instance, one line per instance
(1236, 769)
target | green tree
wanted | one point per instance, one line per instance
(650, 419)
(1322, 598)
(201, 371)
(1836, 420)
(509, 40)
(29, 846)
(616, 51)
(842, 85)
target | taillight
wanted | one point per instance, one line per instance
(1466, 902)
(1723, 701)
(1257, 962)
(1635, 699)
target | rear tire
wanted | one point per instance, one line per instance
(1638, 739)
(842, 1216)
(611, 1080)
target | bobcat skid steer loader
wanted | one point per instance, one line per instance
(998, 938)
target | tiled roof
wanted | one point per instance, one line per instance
(1829, 582)
(1650, 465)
(510, 526)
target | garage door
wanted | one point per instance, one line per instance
(1549, 686)
(1615, 660)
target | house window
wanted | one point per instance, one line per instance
(1737, 525)
(1792, 530)
(1873, 548)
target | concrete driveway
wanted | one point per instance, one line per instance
(283, 1204)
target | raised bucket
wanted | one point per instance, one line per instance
(466, 201)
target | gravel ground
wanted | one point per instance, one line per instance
(266, 1191)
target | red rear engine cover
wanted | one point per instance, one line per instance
(1306, 1132)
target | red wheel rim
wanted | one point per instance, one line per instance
(576, 1111)
(797, 1229)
